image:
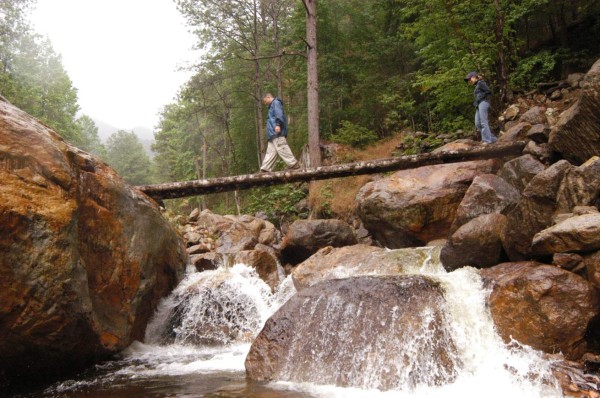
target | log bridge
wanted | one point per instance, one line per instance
(182, 189)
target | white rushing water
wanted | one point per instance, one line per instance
(240, 303)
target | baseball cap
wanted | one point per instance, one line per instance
(470, 75)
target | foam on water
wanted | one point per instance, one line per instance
(490, 368)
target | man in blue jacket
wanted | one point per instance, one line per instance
(276, 133)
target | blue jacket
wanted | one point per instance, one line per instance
(481, 92)
(276, 117)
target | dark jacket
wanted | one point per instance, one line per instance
(481, 92)
(276, 117)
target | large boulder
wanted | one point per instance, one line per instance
(576, 136)
(575, 234)
(477, 243)
(580, 186)
(487, 194)
(413, 207)
(85, 257)
(518, 172)
(339, 332)
(360, 260)
(542, 306)
(535, 210)
(305, 237)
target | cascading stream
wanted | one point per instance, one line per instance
(200, 336)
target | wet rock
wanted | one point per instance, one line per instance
(360, 260)
(85, 257)
(206, 310)
(541, 152)
(539, 133)
(263, 262)
(399, 321)
(511, 113)
(206, 261)
(515, 132)
(535, 210)
(534, 115)
(477, 243)
(575, 234)
(569, 261)
(592, 266)
(236, 233)
(305, 237)
(416, 206)
(576, 136)
(198, 249)
(518, 172)
(580, 186)
(487, 194)
(542, 306)
(194, 215)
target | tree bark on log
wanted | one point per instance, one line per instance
(174, 190)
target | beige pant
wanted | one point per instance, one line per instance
(278, 146)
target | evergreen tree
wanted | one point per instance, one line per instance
(90, 139)
(125, 153)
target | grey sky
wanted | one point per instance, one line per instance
(121, 55)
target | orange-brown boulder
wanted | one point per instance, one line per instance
(413, 207)
(339, 331)
(84, 258)
(542, 306)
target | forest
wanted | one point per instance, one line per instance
(385, 68)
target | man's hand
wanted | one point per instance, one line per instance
(278, 129)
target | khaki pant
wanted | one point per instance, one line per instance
(278, 146)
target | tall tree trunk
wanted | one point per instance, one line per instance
(312, 83)
(278, 68)
(501, 63)
(256, 34)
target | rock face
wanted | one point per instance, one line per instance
(338, 331)
(575, 234)
(534, 211)
(305, 237)
(477, 243)
(577, 134)
(542, 306)
(413, 207)
(84, 257)
(487, 194)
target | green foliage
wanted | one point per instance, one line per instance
(384, 67)
(353, 135)
(125, 153)
(90, 141)
(32, 76)
(534, 69)
(276, 202)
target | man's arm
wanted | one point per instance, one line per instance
(278, 115)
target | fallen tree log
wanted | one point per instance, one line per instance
(173, 190)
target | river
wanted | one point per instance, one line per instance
(196, 344)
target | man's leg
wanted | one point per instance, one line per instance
(270, 157)
(285, 153)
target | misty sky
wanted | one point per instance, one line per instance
(121, 55)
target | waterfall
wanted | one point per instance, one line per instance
(199, 337)
(222, 306)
